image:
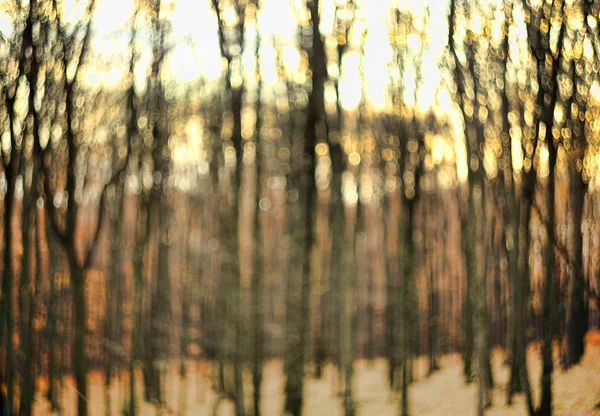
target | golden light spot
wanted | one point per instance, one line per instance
(388, 155)
(354, 158)
(595, 91)
(437, 150)
(544, 154)
(321, 149)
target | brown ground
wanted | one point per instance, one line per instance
(577, 391)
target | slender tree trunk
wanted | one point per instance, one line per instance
(297, 341)
(432, 288)
(142, 237)
(52, 331)
(406, 299)
(160, 310)
(468, 308)
(577, 314)
(7, 291)
(223, 301)
(236, 107)
(306, 195)
(113, 281)
(258, 272)
(346, 306)
(257, 269)
(512, 249)
(323, 330)
(466, 225)
(547, 308)
(185, 291)
(27, 292)
(336, 221)
(517, 327)
(548, 298)
(477, 199)
(372, 255)
(79, 362)
(26, 296)
(523, 289)
(294, 369)
(34, 342)
(391, 290)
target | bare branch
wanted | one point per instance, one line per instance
(59, 231)
(102, 207)
(562, 250)
(89, 255)
(86, 41)
(131, 126)
(215, 4)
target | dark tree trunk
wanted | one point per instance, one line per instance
(138, 349)
(6, 306)
(391, 289)
(27, 292)
(258, 266)
(26, 295)
(79, 361)
(577, 312)
(54, 306)
(347, 308)
(294, 387)
(482, 244)
(406, 298)
(522, 290)
(33, 347)
(468, 308)
(547, 302)
(433, 309)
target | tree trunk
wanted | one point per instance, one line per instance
(477, 200)
(54, 307)
(142, 237)
(391, 290)
(257, 277)
(34, 342)
(346, 305)
(406, 298)
(306, 195)
(26, 294)
(468, 340)
(523, 288)
(6, 306)
(577, 314)
(548, 296)
(433, 309)
(79, 363)
(234, 254)
(336, 221)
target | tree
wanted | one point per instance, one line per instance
(467, 64)
(258, 266)
(73, 52)
(302, 183)
(230, 266)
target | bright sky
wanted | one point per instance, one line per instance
(195, 49)
(195, 52)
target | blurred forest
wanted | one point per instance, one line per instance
(299, 207)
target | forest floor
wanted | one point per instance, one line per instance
(576, 391)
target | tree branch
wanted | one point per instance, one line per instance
(102, 208)
(131, 126)
(563, 252)
(49, 197)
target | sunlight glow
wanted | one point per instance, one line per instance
(350, 84)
